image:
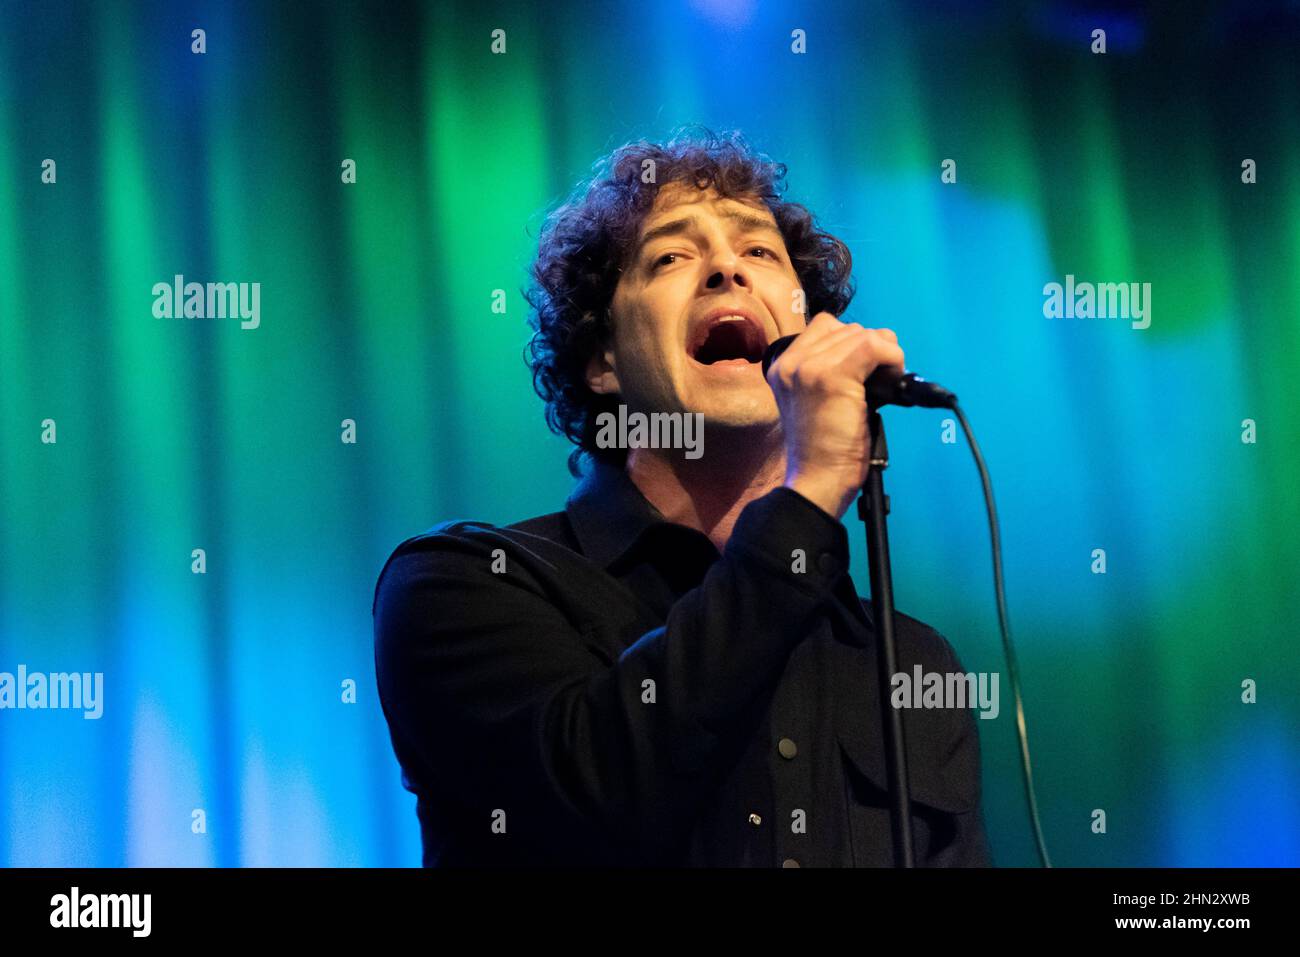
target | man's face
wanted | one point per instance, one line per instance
(700, 262)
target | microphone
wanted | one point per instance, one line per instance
(886, 385)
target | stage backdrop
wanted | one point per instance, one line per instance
(970, 155)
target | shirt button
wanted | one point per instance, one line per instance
(755, 820)
(828, 563)
(789, 862)
(787, 748)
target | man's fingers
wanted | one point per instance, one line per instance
(828, 343)
(871, 347)
(861, 351)
(819, 327)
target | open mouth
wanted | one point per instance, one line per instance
(729, 338)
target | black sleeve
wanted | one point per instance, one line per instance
(504, 707)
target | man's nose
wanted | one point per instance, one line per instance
(725, 271)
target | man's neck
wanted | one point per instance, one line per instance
(710, 492)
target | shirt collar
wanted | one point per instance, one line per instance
(609, 514)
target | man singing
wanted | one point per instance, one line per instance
(676, 669)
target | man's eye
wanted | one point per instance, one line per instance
(665, 260)
(770, 254)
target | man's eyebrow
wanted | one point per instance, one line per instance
(675, 227)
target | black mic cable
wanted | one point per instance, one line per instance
(1007, 648)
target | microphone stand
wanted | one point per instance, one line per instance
(873, 506)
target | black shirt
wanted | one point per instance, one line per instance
(599, 686)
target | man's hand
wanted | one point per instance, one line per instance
(818, 384)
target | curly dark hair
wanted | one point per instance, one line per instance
(584, 243)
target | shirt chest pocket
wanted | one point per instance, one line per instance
(937, 810)
(943, 772)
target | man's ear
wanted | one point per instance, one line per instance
(602, 378)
